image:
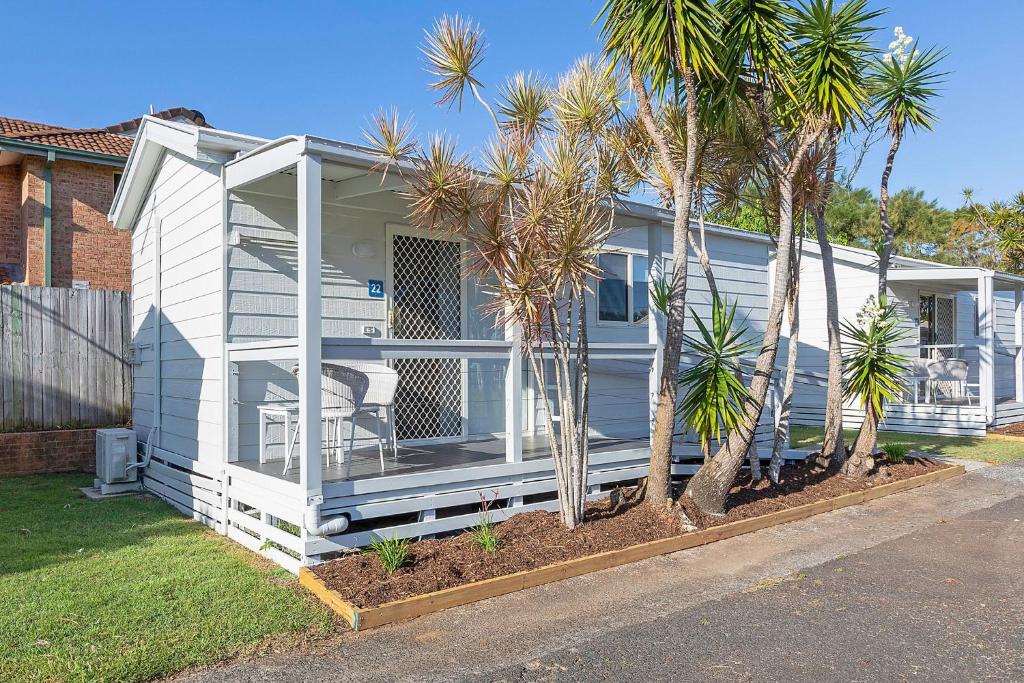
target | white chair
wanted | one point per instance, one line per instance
(918, 375)
(952, 370)
(349, 392)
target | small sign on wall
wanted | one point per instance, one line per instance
(79, 284)
(376, 289)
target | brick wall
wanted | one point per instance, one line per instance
(85, 245)
(65, 450)
(10, 215)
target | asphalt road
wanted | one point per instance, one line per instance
(946, 604)
(925, 585)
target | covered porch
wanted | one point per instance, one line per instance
(973, 317)
(321, 268)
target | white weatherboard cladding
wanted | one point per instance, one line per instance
(185, 198)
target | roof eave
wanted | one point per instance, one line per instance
(41, 149)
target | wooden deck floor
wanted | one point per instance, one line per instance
(426, 458)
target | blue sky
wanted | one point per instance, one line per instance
(276, 68)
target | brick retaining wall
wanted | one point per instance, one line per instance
(66, 450)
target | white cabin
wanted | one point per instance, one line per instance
(253, 256)
(973, 314)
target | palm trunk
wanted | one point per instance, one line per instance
(659, 480)
(793, 316)
(833, 450)
(754, 460)
(888, 234)
(710, 485)
(862, 460)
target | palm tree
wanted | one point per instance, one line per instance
(536, 218)
(874, 374)
(802, 70)
(667, 48)
(903, 83)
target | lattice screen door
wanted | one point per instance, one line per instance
(427, 303)
(945, 325)
(944, 332)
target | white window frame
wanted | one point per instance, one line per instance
(630, 279)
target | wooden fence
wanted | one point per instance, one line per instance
(64, 358)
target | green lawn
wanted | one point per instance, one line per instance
(993, 450)
(127, 589)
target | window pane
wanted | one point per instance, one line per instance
(611, 291)
(640, 288)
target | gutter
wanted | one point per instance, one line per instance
(39, 149)
(48, 219)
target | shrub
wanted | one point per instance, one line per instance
(896, 452)
(483, 533)
(393, 553)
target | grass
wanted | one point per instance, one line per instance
(127, 589)
(995, 451)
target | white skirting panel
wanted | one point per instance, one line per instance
(915, 418)
(1008, 413)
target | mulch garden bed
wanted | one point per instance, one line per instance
(1012, 429)
(538, 539)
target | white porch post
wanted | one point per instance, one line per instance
(310, 343)
(1018, 340)
(655, 320)
(986, 351)
(514, 394)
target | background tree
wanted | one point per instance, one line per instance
(991, 234)
(536, 218)
(666, 48)
(903, 83)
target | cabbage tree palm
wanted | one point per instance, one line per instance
(802, 70)
(903, 85)
(874, 374)
(535, 218)
(667, 48)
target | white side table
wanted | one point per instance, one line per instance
(284, 413)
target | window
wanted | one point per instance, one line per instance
(117, 180)
(640, 288)
(622, 292)
(611, 291)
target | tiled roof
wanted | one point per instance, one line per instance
(193, 116)
(97, 140)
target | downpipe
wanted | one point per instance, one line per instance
(314, 527)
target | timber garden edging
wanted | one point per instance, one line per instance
(400, 610)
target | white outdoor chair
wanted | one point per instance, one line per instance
(348, 392)
(952, 370)
(918, 375)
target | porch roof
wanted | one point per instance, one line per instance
(966, 278)
(356, 171)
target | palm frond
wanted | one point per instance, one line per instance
(902, 89)
(525, 102)
(453, 49)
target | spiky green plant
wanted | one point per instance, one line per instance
(895, 451)
(661, 292)
(713, 402)
(393, 553)
(873, 370)
(484, 533)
